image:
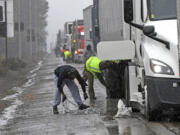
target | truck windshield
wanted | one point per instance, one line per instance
(162, 9)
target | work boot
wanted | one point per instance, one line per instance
(55, 110)
(83, 106)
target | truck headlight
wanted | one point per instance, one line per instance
(160, 67)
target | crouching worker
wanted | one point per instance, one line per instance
(93, 69)
(65, 75)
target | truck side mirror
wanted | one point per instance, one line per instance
(128, 11)
(1, 13)
(149, 30)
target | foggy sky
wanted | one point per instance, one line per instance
(61, 11)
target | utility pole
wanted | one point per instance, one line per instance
(19, 30)
(6, 37)
(178, 22)
(77, 39)
(30, 27)
(36, 27)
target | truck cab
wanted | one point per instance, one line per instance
(151, 77)
(78, 41)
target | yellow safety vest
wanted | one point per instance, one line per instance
(92, 65)
(67, 54)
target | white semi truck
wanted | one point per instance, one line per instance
(151, 77)
(68, 34)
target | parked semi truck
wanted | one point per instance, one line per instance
(78, 41)
(110, 26)
(148, 53)
(87, 16)
(68, 34)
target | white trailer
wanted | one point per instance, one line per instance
(151, 76)
(111, 21)
(68, 34)
(112, 28)
(87, 17)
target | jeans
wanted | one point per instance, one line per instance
(73, 89)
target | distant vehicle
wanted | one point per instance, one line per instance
(145, 38)
(79, 56)
(77, 38)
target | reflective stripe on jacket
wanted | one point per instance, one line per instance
(92, 65)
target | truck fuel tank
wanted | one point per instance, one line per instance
(116, 50)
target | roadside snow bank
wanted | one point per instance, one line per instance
(10, 111)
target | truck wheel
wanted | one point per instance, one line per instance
(147, 111)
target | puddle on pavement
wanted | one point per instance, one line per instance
(125, 125)
(113, 130)
(110, 109)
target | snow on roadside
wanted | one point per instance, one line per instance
(10, 111)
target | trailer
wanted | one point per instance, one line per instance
(151, 76)
(77, 48)
(68, 34)
(111, 22)
(110, 26)
(87, 16)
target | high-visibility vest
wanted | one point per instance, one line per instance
(67, 54)
(92, 65)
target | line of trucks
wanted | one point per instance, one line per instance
(74, 39)
(142, 37)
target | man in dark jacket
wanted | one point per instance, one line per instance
(65, 75)
(88, 53)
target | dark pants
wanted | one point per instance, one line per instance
(73, 89)
(88, 76)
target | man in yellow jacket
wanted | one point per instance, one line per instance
(93, 69)
(67, 55)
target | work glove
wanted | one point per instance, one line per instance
(85, 84)
(85, 96)
(64, 98)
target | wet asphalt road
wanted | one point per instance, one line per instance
(31, 111)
